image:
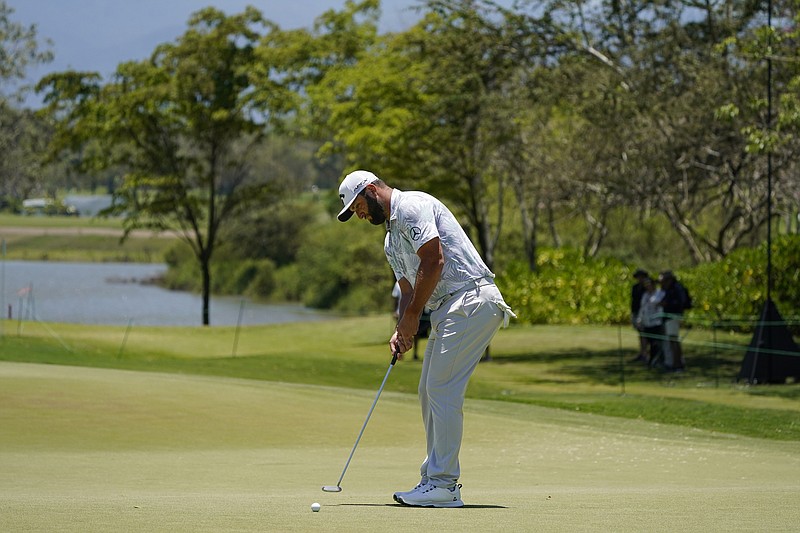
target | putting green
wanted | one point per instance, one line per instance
(104, 450)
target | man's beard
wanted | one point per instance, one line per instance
(374, 209)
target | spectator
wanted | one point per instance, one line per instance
(674, 304)
(637, 290)
(650, 320)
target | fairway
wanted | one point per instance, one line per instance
(86, 449)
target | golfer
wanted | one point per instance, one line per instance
(437, 267)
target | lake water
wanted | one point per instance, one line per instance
(113, 294)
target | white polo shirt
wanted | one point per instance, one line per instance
(417, 217)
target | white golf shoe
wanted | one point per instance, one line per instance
(402, 494)
(431, 496)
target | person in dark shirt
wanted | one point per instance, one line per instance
(673, 304)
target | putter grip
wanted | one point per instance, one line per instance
(394, 358)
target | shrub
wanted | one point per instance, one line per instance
(262, 280)
(344, 268)
(241, 275)
(288, 282)
(272, 233)
(735, 288)
(571, 289)
(568, 289)
(183, 272)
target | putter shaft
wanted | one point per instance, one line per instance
(329, 488)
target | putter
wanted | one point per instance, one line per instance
(338, 486)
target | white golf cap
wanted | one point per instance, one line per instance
(353, 183)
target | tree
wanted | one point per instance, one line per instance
(770, 121)
(422, 108)
(182, 125)
(537, 152)
(471, 55)
(649, 100)
(23, 138)
(20, 132)
(295, 64)
(19, 49)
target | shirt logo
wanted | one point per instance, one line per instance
(416, 233)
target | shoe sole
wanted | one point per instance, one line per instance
(457, 503)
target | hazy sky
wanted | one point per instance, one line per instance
(97, 35)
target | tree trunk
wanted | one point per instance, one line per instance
(685, 232)
(205, 267)
(551, 224)
(530, 222)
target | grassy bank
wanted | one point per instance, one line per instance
(8, 220)
(77, 239)
(82, 248)
(575, 368)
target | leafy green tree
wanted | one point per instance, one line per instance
(770, 119)
(343, 268)
(292, 62)
(648, 99)
(421, 109)
(23, 137)
(19, 49)
(21, 134)
(182, 124)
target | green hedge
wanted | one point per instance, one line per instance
(251, 277)
(571, 289)
(735, 288)
(342, 267)
(568, 289)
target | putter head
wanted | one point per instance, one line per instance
(332, 488)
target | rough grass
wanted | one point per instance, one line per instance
(93, 248)
(572, 368)
(78, 239)
(10, 220)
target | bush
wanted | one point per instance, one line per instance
(272, 233)
(239, 276)
(344, 268)
(571, 289)
(183, 271)
(262, 280)
(736, 287)
(568, 289)
(288, 284)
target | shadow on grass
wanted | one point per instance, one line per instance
(608, 367)
(401, 506)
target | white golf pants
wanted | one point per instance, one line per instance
(461, 330)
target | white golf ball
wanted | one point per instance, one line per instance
(315, 507)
